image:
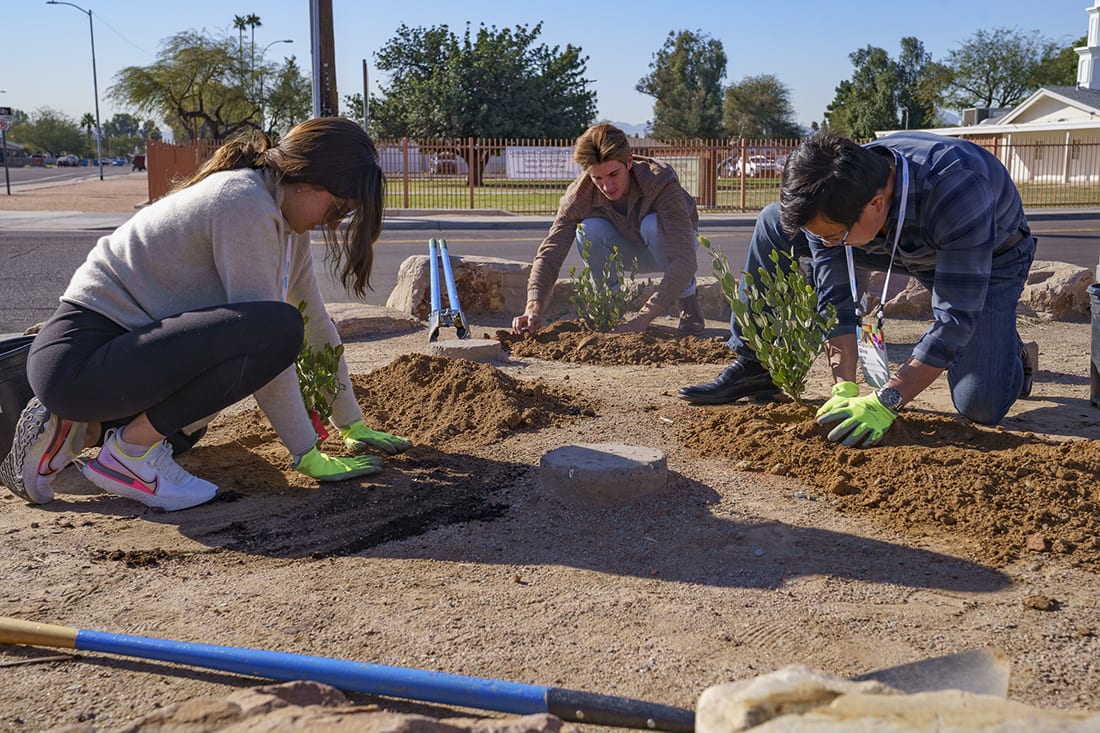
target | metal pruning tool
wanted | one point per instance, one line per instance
(452, 316)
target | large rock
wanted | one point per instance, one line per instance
(484, 285)
(359, 320)
(1057, 291)
(798, 699)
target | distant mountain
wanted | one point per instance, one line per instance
(629, 129)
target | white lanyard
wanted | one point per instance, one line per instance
(893, 252)
(284, 284)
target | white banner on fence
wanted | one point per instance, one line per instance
(687, 170)
(544, 163)
(392, 159)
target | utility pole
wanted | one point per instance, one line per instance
(326, 103)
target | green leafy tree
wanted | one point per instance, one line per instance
(919, 90)
(685, 80)
(287, 96)
(869, 100)
(198, 87)
(996, 68)
(1058, 67)
(48, 131)
(125, 133)
(489, 83)
(759, 107)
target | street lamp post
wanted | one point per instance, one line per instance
(95, 84)
(263, 102)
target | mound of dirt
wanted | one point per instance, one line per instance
(437, 401)
(656, 346)
(1002, 494)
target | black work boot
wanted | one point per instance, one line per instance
(742, 378)
(692, 321)
(1029, 354)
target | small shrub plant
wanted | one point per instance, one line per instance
(778, 317)
(318, 378)
(599, 305)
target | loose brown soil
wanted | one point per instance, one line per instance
(770, 546)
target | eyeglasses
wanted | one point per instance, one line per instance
(341, 207)
(842, 242)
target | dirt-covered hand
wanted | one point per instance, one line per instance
(637, 324)
(527, 323)
(863, 421)
(842, 392)
(324, 467)
(359, 438)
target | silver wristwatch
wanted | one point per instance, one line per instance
(890, 399)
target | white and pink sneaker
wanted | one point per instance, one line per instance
(43, 445)
(153, 478)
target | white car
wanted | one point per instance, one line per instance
(758, 165)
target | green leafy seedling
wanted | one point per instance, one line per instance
(778, 317)
(318, 378)
(599, 305)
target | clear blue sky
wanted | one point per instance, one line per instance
(47, 56)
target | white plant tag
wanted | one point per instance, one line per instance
(872, 350)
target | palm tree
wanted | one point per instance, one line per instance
(87, 124)
(239, 22)
(253, 22)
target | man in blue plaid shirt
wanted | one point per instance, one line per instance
(963, 234)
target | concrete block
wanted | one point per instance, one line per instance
(479, 350)
(602, 474)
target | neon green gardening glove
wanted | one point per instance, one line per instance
(330, 468)
(358, 438)
(863, 421)
(842, 392)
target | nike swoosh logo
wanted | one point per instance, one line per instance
(56, 444)
(129, 478)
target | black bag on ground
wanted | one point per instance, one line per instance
(15, 391)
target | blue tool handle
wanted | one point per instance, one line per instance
(433, 266)
(376, 679)
(452, 291)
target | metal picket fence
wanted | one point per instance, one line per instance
(528, 176)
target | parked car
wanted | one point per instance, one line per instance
(727, 168)
(67, 160)
(447, 162)
(758, 165)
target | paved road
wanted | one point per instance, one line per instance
(32, 177)
(35, 266)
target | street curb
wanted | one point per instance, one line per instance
(436, 221)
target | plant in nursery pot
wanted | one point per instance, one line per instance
(318, 378)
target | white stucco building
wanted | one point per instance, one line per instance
(1053, 136)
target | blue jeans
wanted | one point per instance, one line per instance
(986, 379)
(603, 235)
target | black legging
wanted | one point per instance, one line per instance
(85, 367)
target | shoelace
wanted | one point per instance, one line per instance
(160, 458)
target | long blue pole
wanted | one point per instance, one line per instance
(376, 679)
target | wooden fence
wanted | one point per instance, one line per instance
(529, 176)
